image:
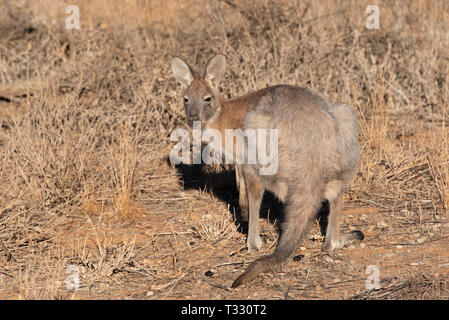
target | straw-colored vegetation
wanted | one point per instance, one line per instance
(86, 117)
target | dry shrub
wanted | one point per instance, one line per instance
(98, 104)
(215, 227)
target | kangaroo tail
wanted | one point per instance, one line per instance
(259, 266)
(299, 212)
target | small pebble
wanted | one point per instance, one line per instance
(421, 240)
(209, 273)
(298, 257)
(382, 224)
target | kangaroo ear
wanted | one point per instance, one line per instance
(215, 69)
(181, 71)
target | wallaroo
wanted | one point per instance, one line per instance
(318, 154)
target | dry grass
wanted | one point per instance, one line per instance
(86, 117)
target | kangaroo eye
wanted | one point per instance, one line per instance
(208, 99)
(186, 99)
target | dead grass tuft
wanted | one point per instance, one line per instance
(86, 117)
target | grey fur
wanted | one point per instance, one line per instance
(318, 155)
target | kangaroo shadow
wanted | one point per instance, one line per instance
(222, 185)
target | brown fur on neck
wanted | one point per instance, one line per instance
(231, 112)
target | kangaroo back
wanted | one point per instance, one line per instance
(318, 153)
(347, 126)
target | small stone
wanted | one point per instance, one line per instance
(298, 257)
(421, 240)
(208, 273)
(382, 224)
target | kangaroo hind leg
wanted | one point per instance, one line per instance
(333, 238)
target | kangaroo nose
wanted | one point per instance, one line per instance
(194, 115)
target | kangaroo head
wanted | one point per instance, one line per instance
(201, 98)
